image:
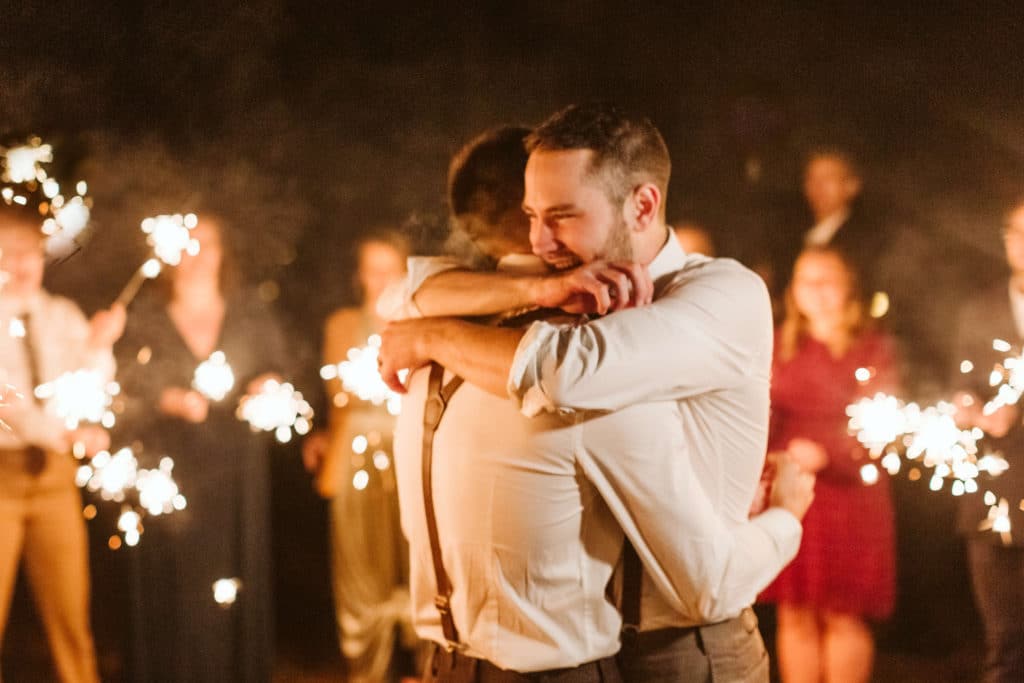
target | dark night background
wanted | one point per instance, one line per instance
(306, 123)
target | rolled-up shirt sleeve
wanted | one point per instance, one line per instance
(695, 337)
(397, 301)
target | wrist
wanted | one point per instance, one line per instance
(536, 290)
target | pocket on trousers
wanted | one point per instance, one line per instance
(736, 652)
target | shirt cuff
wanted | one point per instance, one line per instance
(784, 528)
(396, 303)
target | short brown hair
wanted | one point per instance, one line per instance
(485, 180)
(628, 150)
(843, 156)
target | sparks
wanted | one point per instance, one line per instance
(111, 476)
(214, 377)
(225, 591)
(158, 492)
(24, 164)
(277, 408)
(81, 396)
(170, 236)
(359, 375)
(877, 422)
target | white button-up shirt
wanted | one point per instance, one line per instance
(700, 354)
(59, 334)
(531, 507)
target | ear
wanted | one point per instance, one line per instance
(644, 206)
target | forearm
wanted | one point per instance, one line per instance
(470, 293)
(479, 354)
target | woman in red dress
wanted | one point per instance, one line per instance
(844, 575)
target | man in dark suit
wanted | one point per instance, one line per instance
(831, 189)
(996, 559)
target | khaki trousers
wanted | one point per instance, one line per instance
(41, 521)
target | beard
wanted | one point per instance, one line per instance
(617, 247)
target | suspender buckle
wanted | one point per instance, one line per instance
(433, 409)
(443, 604)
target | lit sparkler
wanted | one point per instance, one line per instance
(169, 236)
(80, 396)
(158, 492)
(998, 520)
(129, 523)
(111, 476)
(878, 421)
(887, 425)
(24, 164)
(277, 407)
(214, 377)
(1007, 377)
(225, 591)
(67, 215)
(360, 375)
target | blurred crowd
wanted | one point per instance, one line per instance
(844, 299)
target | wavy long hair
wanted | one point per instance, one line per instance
(794, 326)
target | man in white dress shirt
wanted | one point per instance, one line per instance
(653, 419)
(41, 337)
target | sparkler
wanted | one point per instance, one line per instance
(225, 591)
(169, 236)
(111, 476)
(214, 377)
(66, 215)
(130, 524)
(277, 408)
(80, 396)
(878, 421)
(1007, 377)
(158, 492)
(885, 424)
(998, 520)
(360, 375)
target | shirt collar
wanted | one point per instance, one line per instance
(670, 259)
(11, 307)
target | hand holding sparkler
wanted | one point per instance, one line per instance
(810, 455)
(793, 487)
(107, 326)
(996, 422)
(187, 404)
(88, 440)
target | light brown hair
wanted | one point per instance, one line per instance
(793, 328)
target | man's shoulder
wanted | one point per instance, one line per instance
(720, 272)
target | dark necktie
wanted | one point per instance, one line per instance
(36, 456)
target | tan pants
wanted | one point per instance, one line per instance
(41, 520)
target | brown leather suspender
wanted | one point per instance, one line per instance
(433, 411)
(632, 579)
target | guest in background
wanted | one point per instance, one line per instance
(352, 466)
(996, 561)
(832, 184)
(844, 576)
(179, 632)
(43, 336)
